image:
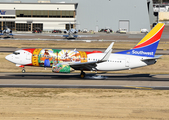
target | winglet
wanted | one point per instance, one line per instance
(110, 47)
(107, 53)
(106, 57)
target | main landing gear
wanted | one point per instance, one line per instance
(82, 74)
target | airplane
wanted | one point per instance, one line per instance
(71, 33)
(6, 32)
(64, 61)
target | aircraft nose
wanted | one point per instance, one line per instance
(9, 57)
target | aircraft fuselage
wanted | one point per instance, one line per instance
(47, 57)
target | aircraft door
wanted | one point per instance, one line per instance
(127, 64)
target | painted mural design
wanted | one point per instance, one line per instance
(47, 57)
(55, 58)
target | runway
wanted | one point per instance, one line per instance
(73, 80)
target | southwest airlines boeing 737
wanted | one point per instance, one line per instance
(63, 61)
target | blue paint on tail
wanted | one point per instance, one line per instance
(147, 51)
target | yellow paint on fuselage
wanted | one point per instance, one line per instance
(83, 56)
(35, 57)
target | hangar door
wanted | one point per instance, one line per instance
(124, 24)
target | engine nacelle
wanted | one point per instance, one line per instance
(61, 68)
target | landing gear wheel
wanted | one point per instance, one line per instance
(82, 75)
(23, 71)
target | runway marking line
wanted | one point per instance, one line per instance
(139, 87)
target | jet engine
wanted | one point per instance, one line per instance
(61, 68)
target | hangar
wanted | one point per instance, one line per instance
(26, 15)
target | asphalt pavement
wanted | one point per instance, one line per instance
(73, 80)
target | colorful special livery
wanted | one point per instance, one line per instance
(64, 61)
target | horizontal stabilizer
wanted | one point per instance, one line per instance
(152, 58)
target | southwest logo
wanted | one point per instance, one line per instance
(2, 12)
(142, 53)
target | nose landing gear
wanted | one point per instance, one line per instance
(23, 70)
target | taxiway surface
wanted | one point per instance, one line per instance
(112, 81)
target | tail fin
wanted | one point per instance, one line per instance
(148, 45)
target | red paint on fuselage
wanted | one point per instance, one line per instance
(88, 52)
(30, 50)
(29, 64)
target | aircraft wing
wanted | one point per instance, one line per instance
(75, 36)
(151, 58)
(91, 65)
(65, 35)
(84, 66)
(10, 34)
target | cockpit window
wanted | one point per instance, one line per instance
(16, 53)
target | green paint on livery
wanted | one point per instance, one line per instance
(65, 69)
(56, 50)
(59, 68)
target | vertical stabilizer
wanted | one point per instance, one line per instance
(148, 45)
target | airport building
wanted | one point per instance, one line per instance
(26, 15)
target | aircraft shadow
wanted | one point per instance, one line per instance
(5, 37)
(110, 77)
